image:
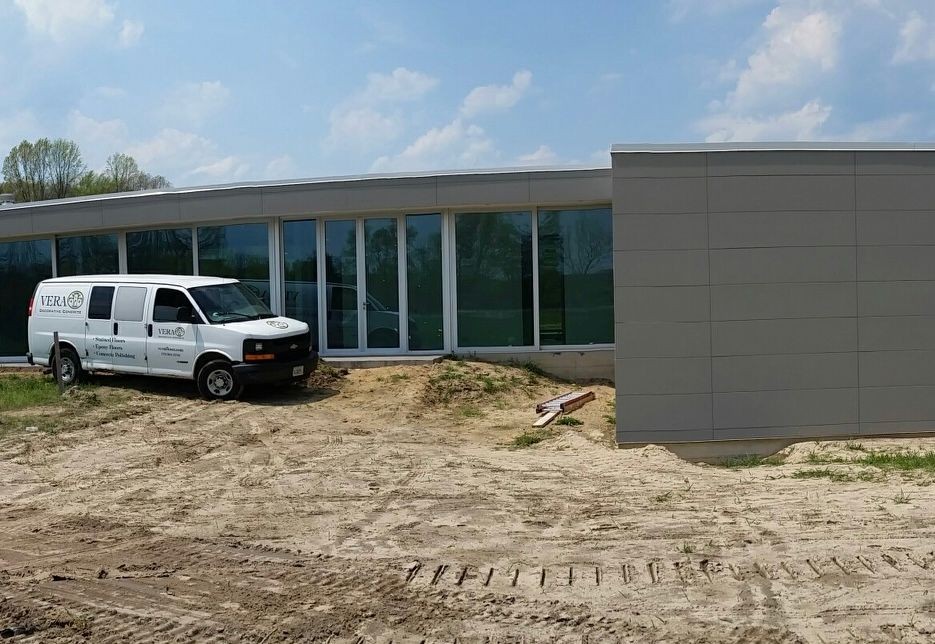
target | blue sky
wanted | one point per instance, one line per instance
(209, 91)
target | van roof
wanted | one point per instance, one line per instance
(184, 281)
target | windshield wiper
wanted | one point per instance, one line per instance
(264, 316)
(243, 315)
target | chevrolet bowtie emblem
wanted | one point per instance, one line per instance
(293, 346)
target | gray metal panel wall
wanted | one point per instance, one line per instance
(803, 281)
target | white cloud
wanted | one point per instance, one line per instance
(226, 169)
(194, 103)
(681, 9)
(282, 167)
(65, 20)
(400, 85)
(130, 33)
(887, 128)
(456, 145)
(361, 128)
(488, 98)
(16, 127)
(916, 40)
(366, 120)
(543, 155)
(172, 148)
(97, 139)
(797, 46)
(799, 125)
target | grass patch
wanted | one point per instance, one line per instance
(902, 461)
(901, 498)
(528, 439)
(22, 392)
(569, 421)
(750, 460)
(611, 418)
(833, 475)
(457, 380)
(470, 411)
(686, 548)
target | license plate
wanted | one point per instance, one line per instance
(298, 371)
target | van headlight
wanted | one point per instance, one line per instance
(253, 351)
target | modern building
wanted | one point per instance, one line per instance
(733, 292)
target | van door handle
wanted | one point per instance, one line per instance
(115, 328)
(149, 329)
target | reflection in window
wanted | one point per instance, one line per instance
(23, 264)
(381, 261)
(424, 282)
(240, 251)
(493, 252)
(300, 273)
(167, 252)
(341, 278)
(87, 255)
(576, 277)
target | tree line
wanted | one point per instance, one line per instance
(54, 169)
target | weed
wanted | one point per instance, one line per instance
(686, 548)
(470, 411)
(662, 498)
(854, 447)
(901, 498)
(527, 439)
(823, 473)
(397, 377)
(571, 421)
(750, 460)
(611, 418)
(20, 392)
(904, 461)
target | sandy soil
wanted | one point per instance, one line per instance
(362, 512)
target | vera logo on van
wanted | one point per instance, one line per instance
(75, 299)
(178, 332)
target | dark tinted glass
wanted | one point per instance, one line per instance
(576, 277)
(160, 251)
(167, 304)
(224, 303)
(341, 277)
(424, 282)
(300, 273)
(23, 264)
(240, 251)
(381, 260)
(88, 255)
(494, 280)
(102, 297)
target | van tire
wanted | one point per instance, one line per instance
(217, 381)
(71, 364)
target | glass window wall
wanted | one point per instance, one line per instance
(165, 252)
(240, 251)
(300, 273)
(341, 279)
(424, 282)
(576, 277)
(381, 261)
(23, 264)
(87, 255)
(493, 255)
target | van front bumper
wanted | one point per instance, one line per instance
(251, 373)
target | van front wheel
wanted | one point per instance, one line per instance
(70, 368)
(217, 381)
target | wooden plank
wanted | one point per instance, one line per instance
(546, 418)
(571, 405)
(566, 402)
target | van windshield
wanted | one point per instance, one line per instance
(224, 303)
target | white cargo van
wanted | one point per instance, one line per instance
(208, 329)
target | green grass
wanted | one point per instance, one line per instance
(833, 475)
(570, 421)
(902, 461)
(22, 392)
(750, 460)
(901, 498)
(611, 418)
(470, 411)
(527, 439)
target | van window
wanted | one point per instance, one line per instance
(102, 297)
(129, 306)
(167, 304)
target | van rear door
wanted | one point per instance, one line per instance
(99, 335)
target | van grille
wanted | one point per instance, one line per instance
(286, 349)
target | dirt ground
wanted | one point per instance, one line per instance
(370, 510)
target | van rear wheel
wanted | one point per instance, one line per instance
(70, 367)
(217, 381)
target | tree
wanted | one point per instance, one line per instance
(54, 169)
